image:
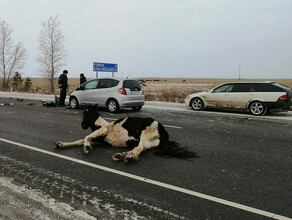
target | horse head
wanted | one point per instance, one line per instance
(90, 115)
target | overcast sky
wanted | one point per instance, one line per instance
(162, 38)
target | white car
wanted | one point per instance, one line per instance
(113, 93)
(257, 97)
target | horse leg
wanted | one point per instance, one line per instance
(79, 143)
(60, 144)
(119, 156)
(149, 139)
(87, 147)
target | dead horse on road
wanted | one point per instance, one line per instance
(136, 132)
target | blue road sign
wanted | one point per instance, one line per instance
(105, 67)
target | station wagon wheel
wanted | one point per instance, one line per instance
(197, 104)
(113, 105)
(73, 103)
(137, 108)
(257, 108)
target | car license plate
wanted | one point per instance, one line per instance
(135, 92)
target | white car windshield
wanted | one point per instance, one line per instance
(223, 88)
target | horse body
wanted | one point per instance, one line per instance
(137, 133)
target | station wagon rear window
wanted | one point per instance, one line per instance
(266, 87)
(133, 85)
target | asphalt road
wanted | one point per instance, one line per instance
(244, 170)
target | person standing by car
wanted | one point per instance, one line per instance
(82, 78)
(63, 84)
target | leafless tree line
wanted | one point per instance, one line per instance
(51, 51)
(12, 56)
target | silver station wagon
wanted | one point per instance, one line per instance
(113, 93)
(257, 97)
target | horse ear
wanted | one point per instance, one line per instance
(90, 107)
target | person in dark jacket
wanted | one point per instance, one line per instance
(82, 78)
(63, 84)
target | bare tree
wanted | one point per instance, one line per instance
(12, 56)
(52, 50)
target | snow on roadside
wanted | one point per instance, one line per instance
(21, 202)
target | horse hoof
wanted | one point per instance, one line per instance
(58, 144)
(87, 149)
(130, 159)
(117, 157)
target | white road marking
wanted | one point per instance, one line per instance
(154, 182)
(171, 126)
(168, 126)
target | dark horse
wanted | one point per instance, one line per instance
(137, 133)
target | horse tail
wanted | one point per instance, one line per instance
(169, 148)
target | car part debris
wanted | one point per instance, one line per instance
(48, 103)
(6, 104)
(51, 103)
(57, 100)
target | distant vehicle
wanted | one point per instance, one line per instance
(257, 97)
(113, 93)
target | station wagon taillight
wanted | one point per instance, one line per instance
(122, 91)
(283, 97)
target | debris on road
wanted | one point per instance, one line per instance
(48, 103)
(51, 103)
(2, 104)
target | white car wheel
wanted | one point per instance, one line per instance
(112, 105)
(197, 104)
(73, 103)
(137, 108)
(257, 108)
